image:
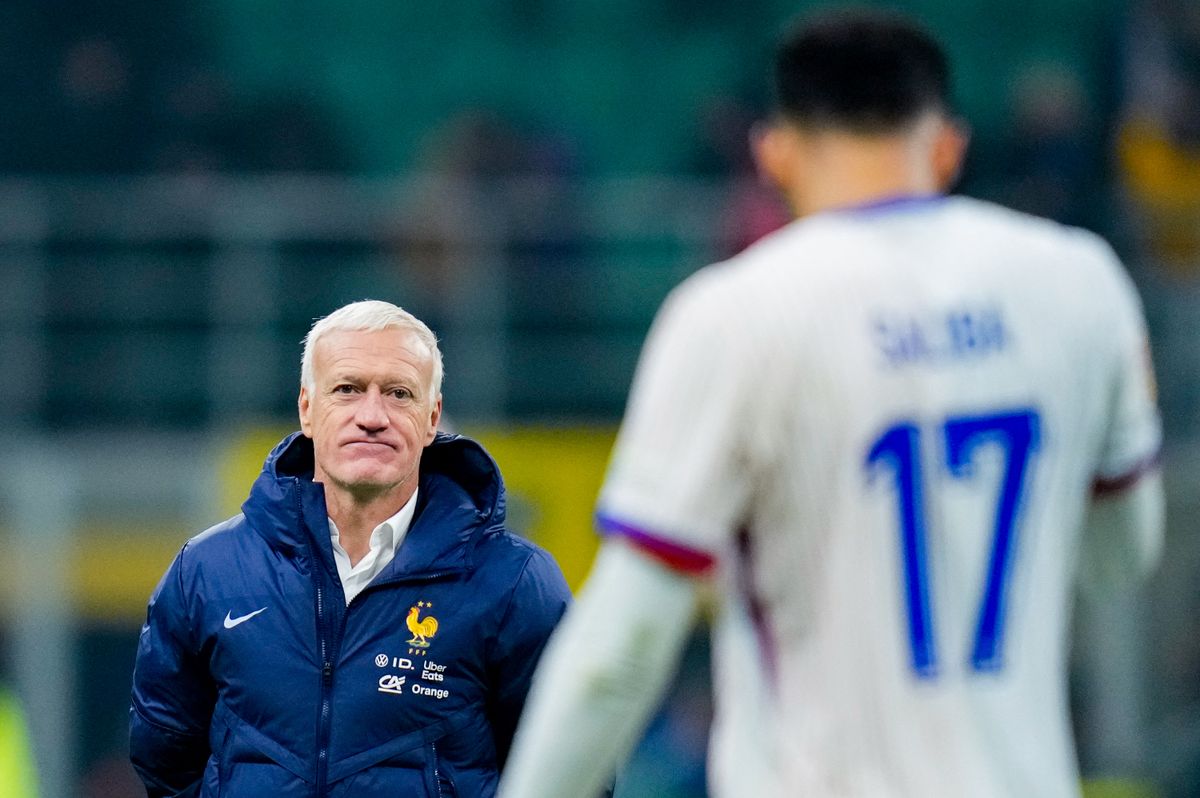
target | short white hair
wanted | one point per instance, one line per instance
(370, 315)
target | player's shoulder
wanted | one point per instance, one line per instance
(1075, 269)
(716, 286)
(1044, 250)
(704, 292)
(987, 222)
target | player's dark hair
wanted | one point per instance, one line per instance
(863, 70)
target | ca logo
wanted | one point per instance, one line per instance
(391, 683)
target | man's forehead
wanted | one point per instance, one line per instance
(371, 348)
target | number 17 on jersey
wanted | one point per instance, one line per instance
(898, 451)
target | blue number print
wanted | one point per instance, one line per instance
(1018, 433)
(900, 446)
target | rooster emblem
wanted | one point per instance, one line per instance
(421, 629)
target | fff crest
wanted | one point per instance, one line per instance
(422, 628)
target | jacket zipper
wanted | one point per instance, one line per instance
(327, 653)
(326, 691)
(437, 774)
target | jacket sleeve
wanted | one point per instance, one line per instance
(538, 601)
(173, 694)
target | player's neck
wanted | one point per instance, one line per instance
(829, 168)
(844, 173)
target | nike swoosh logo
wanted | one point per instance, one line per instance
(232, 622)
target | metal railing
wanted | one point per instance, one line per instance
(187, 296)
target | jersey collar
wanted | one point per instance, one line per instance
(899, 202)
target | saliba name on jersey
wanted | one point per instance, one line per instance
(939, 336)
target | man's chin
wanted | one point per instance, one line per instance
(363, 486)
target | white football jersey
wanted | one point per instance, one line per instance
(883, 426)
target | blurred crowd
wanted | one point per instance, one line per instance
(119, 88)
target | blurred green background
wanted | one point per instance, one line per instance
(185, 187)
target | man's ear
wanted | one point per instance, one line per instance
(435, 418)
(304, 405)
(949, 152)
(783, 154)
(774, 149)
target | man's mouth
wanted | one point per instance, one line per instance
(368, 444)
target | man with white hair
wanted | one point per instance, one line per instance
(367, 626)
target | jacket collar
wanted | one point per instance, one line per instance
(461, 498)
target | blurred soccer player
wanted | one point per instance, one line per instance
(877, 434)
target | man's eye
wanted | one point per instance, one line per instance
(343, 389)
(402, 393)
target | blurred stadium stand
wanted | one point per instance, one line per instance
(185, 188)
(181, 302)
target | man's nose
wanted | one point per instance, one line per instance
(370, 413)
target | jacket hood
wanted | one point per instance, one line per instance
(461, 490)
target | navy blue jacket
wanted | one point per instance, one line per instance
(253, 677)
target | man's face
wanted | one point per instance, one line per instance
(370, 412)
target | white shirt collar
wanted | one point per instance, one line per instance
(385, 542)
